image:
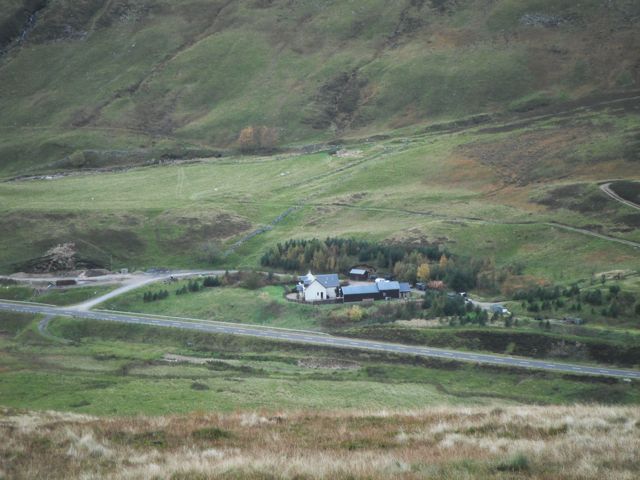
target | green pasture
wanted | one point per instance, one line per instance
(177, 215)
(265, 306)
(53, 296)
(118, 369)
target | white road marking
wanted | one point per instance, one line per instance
(327, 340)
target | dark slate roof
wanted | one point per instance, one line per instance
(385, 285)
(357, 271)
(330, 280)
(360, 289)
(405, 288)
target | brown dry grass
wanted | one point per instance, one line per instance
(515, 442)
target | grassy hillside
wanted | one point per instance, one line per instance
(509, 191)
(94, 83)
(481, 126)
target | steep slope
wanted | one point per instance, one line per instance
(100, 83)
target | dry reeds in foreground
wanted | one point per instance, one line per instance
(579, 442)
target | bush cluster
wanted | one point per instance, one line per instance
(609, 302)
(154, 296)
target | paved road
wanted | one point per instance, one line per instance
(606, 188)
(317, 339)
(129, 281)
(140, 281)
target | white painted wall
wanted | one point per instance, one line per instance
(313, 291)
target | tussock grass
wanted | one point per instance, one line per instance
(591, 442)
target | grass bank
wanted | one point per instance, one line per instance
(442, 442)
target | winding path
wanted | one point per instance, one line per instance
(583, 231)
(606, 188)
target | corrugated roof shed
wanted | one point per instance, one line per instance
(359, 289)
(386, 285)
(405, 288)
(357, 271)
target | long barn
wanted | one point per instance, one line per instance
(380, 290)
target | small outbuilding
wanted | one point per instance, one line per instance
(405, 290)
(359, 274)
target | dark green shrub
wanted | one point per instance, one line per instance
(210, 434)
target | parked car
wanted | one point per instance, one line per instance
(573, 320)
(499, 309)
(421, 286)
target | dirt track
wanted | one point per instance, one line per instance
(606, 188)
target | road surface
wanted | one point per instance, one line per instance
(593, 234)
(129, 281)
(317, 339)
(138, 282)
(606, 188)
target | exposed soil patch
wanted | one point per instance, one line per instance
(198, 227)
(337, 101)
(173, 358)
(63, 257)
(328, 363)
(577, 197)
(529, 156)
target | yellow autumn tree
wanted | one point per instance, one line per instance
(248, 139)
(423, 272)
(253, 139)
(444, 261)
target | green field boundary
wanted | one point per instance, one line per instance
(20, 302)
(211, 322)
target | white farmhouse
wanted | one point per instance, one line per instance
(319, 287)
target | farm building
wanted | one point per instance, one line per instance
(359, 274)
(379, 290)
(389, 289)
(405, 290)
(318, 287)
